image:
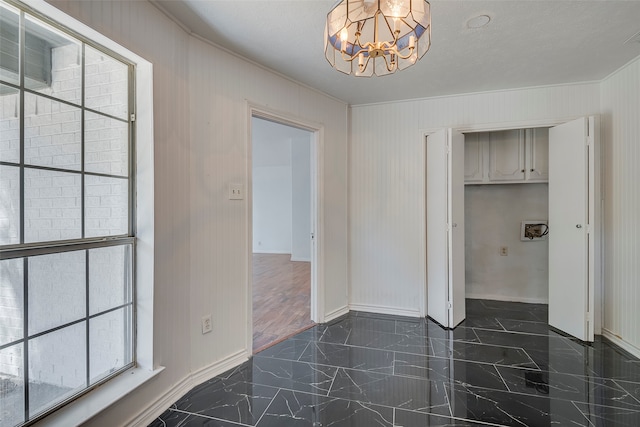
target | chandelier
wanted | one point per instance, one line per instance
(377, 37)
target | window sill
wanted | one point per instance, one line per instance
(83, 409)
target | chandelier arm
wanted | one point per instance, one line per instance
(386, 63)
(357, 40)
(349, 58)
(366, 63)
(411, 50)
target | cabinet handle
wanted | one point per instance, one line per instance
(522, 170)
(533, 170)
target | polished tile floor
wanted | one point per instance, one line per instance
(501, 366)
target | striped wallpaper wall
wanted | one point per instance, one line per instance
(387, 179)
(620, 95)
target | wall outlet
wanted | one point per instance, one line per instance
(504, 251)
(206, 324)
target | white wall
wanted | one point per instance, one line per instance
(220, 86)
(387, 179)
(272, 192)
(493, 214)
(621, 139)
(202, 254)
(281, 165)
(301, 198)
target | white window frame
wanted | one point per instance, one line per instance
(95, 401)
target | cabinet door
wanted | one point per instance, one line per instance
(473, 157)
(537, 142)
(506, 155)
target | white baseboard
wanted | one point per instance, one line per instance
(182, 387)
(208, 372)
(272, 252)
(158, 407)
(508, 298)
(381, 309)
(336, 313)
(619, 341)
(300, 259)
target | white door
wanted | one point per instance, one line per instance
(571, 220)
(445, 228)
(456, 229)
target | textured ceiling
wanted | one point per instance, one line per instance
(527, 43)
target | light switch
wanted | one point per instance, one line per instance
(236, 192)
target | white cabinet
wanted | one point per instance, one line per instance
(504, 157)
(537, 154)
(474, 157)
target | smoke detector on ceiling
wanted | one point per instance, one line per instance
(633, 39)
(478, 21)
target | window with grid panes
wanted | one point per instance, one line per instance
(67, 242)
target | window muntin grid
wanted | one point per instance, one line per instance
(66, 169)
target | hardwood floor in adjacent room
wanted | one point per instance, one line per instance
(281, 298)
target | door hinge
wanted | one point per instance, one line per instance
(133, 117)
(449, 305)
(313, 236)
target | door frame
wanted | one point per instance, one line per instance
(598, 205)
(317, 218)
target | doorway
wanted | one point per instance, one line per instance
(574, 253)
(282, 244)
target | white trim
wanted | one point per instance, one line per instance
(334, 314)
(86, 407)
(381, 309)
(208, 372)
(296, 259)
(182, 387)
(160, 405)
(273, 252)
(617, 340)
(317, 217)
(500, 297)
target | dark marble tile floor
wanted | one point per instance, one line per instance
(503, 366)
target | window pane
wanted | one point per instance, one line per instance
(109, 278)
(57, 367)
(9, 47)
(106, 206)
(52, 133)
(52, 205)
(9, 124)
(11, 300)
(52, 62)
(106, 84)
(106, 145)
(111, 343)
(11, 386)
(57, 289)
(9, 205)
